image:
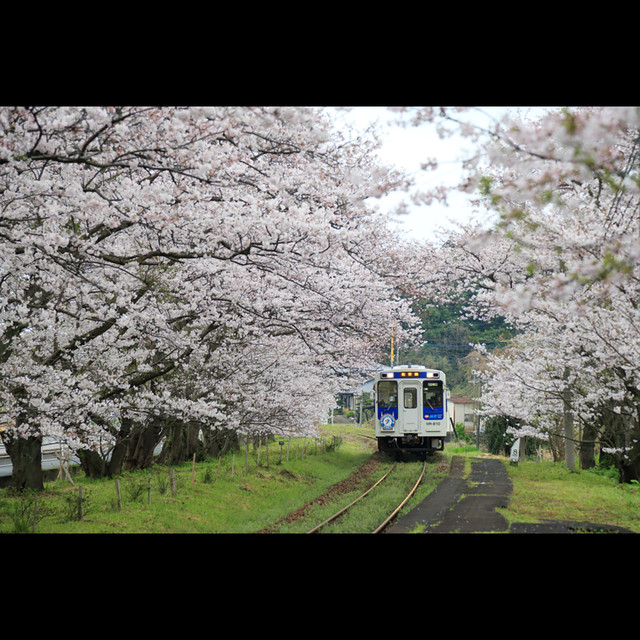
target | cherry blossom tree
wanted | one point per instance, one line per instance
(558, 258)
(189, 266)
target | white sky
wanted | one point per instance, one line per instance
(407, 148)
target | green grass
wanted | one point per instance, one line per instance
(547, 490)
(368, 513)
(214, 500)
(390, 494)
(217, 500)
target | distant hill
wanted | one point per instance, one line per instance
(447, 338)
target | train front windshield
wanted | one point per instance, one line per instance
(388, 394)
(432, 396)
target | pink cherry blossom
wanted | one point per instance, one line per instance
(221, 265)
(557, 257)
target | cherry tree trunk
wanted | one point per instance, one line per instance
(181, 443)
(219, 441)
(630, 472)
(569, 447)
(26, 458)
(588, 447)
(96, 465)
(142, 444)
(629, 464)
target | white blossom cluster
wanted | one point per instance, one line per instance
(560, 260)
(217, 265)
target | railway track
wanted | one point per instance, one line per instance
(388, 520)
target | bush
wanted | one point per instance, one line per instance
(463, 436)
(25, 512)
(76, 505)
(495, 436)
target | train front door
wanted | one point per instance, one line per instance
(409, 407)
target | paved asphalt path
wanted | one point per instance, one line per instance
(462, 504)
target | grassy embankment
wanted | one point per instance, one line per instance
(217, 496)
(547, 490)
(220, 496)
(544, 490)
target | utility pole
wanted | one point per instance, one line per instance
(479, 392)
(567, 419)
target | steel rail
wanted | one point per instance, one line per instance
(393, 515)
(339, 513)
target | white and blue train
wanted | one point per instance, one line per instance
(411, 409)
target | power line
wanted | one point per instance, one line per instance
(461, 346)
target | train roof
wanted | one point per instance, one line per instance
(417, 369)
(413, 367)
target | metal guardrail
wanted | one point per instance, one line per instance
(50, 456)
(47, 447)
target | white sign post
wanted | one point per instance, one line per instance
(515, 452)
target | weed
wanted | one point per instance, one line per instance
(135, 487)
(26, 511)
(162, 483)
(77, 504)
